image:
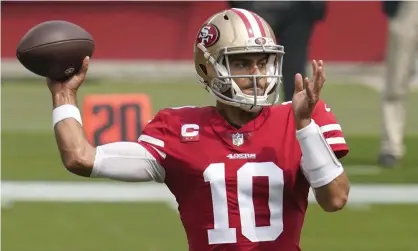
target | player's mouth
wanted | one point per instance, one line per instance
(252, 91)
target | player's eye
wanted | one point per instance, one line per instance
(240, 64)
(262, 64)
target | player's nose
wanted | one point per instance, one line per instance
(255, 70)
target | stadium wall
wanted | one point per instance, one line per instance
(151, 34)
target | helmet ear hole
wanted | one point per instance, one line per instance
(203, 68)
(226, 17)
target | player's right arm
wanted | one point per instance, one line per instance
(126, 161)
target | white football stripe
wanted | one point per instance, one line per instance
(151, 140)
(330, 127)
(335, 140)
(253, 22)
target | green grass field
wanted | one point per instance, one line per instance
(29, 154)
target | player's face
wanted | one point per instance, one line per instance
(249, 64)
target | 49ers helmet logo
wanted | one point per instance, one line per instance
(208, 35)
(260, 40)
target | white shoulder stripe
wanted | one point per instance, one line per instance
(151, 140)
(162, 154)
(330, 127)
(335, 140)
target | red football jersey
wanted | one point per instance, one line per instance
(237, 189)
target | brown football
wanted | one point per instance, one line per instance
(55, 49)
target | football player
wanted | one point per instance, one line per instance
(241, 170)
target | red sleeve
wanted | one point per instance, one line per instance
(323, 116)
(153, 136)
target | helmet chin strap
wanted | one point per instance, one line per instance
(244, 107)
(206, 54)
(250, 108)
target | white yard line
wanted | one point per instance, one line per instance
(16, 191)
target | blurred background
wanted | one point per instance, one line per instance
(146, 48)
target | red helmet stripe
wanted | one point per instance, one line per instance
(245, 20)
(260, 24)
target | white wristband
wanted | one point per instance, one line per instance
(319, 163)
(64, 112)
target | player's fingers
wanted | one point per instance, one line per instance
(308, 87)
(306, 82)
(298, 83)
(321, 77)
(320, 67)
(317, 85)
(84, 68)
(315, 72)
(314, 69)
(314, 66)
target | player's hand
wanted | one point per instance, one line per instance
(307, 94)
(72, 84)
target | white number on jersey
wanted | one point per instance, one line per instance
(222, 233)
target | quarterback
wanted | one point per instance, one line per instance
(240, 170)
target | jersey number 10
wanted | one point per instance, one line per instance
(222, 233)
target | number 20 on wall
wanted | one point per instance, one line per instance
(115, 117)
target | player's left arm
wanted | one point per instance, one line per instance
(322, 143)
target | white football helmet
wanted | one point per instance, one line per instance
(230, 32)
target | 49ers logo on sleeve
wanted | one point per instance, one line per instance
(208, 35)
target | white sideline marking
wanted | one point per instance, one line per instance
(359, 207)
(83, 191)
(13, 191)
